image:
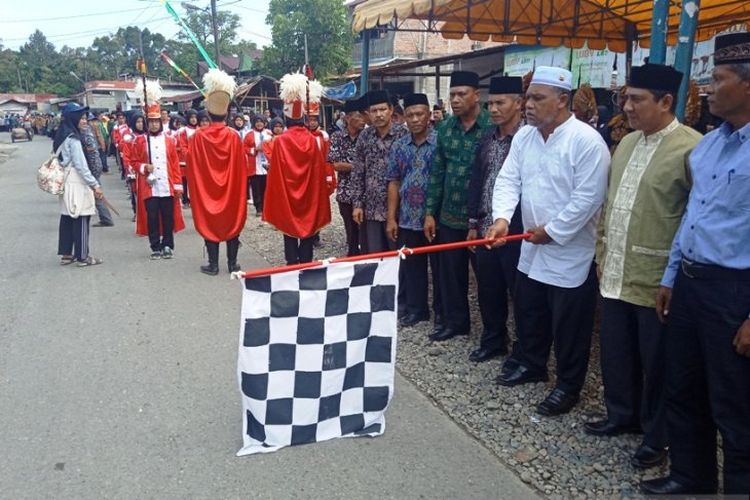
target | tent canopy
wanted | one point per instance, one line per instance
(601, 23)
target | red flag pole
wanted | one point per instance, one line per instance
(382, 255)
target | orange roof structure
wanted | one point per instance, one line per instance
(601, 23)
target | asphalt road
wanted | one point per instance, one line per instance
(119, 381)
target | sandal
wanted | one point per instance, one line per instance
(90, 261)
(67, 259)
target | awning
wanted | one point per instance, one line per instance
(601, 23)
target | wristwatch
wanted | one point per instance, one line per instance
(473, 224)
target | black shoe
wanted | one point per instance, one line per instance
(447, 333)
(646, 457)
(233, 267)
(509, 365)
(520, 375)
(102, 224)
(670, 486)
(210, 269)
(413, 319)
(557, 403)
(607, 428)
(484, 354)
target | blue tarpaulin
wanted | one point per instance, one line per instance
(342, 92)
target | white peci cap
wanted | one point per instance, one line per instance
(555, 77)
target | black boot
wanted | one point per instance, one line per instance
(233, 247)
(212, 268)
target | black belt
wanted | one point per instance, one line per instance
(710, 272)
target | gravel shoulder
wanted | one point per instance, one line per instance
(553, 455)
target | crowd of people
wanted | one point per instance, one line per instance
(658, 229)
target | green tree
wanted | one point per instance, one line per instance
(117, 54)
(329, 37)
(9, 75)
(38, 60)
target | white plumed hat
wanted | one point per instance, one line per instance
(220, 88)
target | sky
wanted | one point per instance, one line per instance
(76, 23)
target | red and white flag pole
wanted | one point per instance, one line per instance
(405, 251)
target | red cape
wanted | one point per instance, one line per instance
(297, 202)
(218, 182)
(138, 155)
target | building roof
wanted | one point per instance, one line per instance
(233, 64)
(110, 85)
(26, 98)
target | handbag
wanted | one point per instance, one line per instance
(50, 177)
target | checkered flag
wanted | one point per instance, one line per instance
(317, 352)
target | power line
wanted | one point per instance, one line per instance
(61, 18)
(81, 34)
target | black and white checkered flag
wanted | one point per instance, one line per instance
(317, 353)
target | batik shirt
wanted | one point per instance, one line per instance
(342, 149)
(451, 169)
(410, 164)
(91, 151)
(498, 151)
(368, 185)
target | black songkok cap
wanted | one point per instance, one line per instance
(378, 97)
(464, 79)
(354, 105)
(655, 77)
(732, 48)
(506, 85)
(415, 99)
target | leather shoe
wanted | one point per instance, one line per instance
(446, 334)
(483, 354)
(670, 486)
(557, 403)
(519, 375)
(413, 319)
(607, 428)
(211, 270)
(646, 457)
(509, 365)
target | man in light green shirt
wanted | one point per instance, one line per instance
(648, 190)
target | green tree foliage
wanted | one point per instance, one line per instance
(37, 67)
(329, 37)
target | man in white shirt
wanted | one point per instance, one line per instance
(557, 167)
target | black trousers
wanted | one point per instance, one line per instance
(708, 383)
(546, 313)
(453, 279)
(372, 237)
(103, 157)
(131, 190)
(233, 248)
(415, 279)
(632, 359)
(185, 194)
(160, 218)
(298, 250)
(351, 228)
(73, 236)
(258, 188)
(496, 278)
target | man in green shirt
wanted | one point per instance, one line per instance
(447, 194)
(648, 189)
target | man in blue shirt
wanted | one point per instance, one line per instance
(408, 173)
(705, 296)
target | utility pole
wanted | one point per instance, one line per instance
(216, 33)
